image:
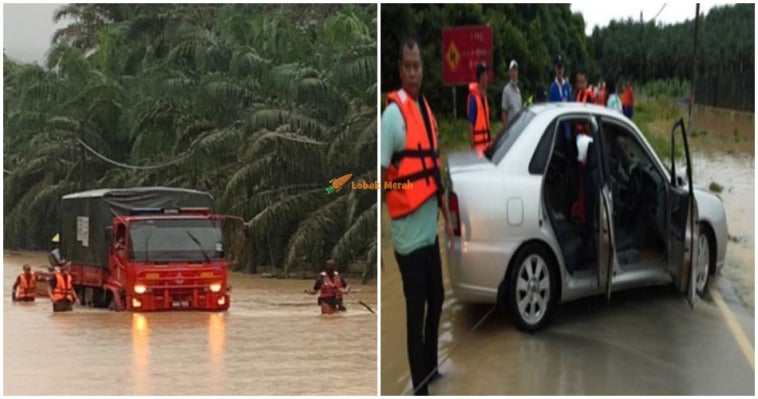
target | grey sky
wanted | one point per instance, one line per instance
(28, 29)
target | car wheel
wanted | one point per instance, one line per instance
(702, 261)
(531, 293)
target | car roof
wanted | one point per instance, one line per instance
(553, 110)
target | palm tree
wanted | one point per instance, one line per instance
(259, 105)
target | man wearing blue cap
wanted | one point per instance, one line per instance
(560, 89)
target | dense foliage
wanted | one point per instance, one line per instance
(261, 105)
(726, 38)
(534, 34)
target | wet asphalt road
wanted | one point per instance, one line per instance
(645, 341)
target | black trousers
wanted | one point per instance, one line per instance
(421, 271)
(63, 306)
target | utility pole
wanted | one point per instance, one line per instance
(455, 108)
(694, 69)
(642, 49)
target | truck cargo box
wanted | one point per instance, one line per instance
(86, 215)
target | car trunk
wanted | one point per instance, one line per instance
(466, 161)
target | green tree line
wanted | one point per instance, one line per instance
(260, 105)
(534, 34)
(648, 51)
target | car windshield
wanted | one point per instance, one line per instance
(163, 240)
(508, 136)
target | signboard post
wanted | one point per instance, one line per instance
(463, 48)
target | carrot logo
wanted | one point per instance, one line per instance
(336, 184)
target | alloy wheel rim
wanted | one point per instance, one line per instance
(533, 289)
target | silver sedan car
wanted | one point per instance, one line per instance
(569, 201)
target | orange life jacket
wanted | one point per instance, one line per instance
(27, 288)
(482, 124)
(601, 96)
(64, 289)
(418, 164)
(627, 97)
(330, 287)
(585, 96)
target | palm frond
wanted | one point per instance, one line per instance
(313, 233)
(356, 238)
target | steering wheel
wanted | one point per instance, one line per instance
(642, 181)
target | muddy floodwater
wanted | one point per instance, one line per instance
(737, 177)
(644, 341)
(272, 341)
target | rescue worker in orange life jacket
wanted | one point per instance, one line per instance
(602, 95)
(583, 93)
(25, 287)
(331, 284)
(409, 152)
(61, 289)
(479, 110)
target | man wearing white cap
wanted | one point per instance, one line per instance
(55, 258)
(511, 102)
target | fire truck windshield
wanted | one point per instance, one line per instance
(165, 240)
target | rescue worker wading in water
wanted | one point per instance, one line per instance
(25, 287)
(61, 290)
(54, 257)
(331, 285)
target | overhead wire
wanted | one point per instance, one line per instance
(127, 166)
(659, 13)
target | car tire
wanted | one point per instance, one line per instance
(532, 288)
(703, 260)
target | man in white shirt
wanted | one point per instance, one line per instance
(511, 102)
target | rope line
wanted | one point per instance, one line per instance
(450, 353)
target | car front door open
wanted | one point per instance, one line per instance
(682, 221)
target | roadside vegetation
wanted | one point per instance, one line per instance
(260, 105)
(656, 57)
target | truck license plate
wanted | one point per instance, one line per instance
(180, 304)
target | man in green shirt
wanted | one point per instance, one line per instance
(414, 235)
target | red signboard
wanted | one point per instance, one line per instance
(462, 49)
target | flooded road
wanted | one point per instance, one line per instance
(737, 176)
(645, 341)
(272, 341)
